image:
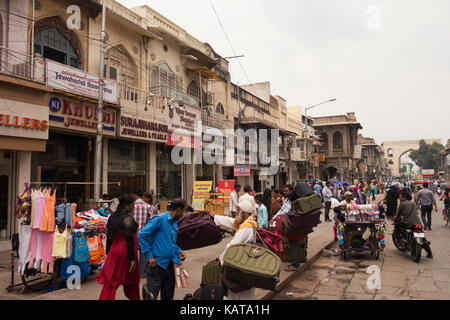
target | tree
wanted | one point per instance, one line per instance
(427, 157)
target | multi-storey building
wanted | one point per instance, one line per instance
(338, 138)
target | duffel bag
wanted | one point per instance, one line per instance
(197, 230)
(298, 237)
(311, 219)
(307, 204)
(211, 273)
(209, 292)
(287, 229)
(272, 240)
(303, 190)
(252, 265)
(302, 250)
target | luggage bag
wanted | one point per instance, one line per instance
(252, 265)
(197, 230)
(272, 240)
(307, 204)
(287, 230)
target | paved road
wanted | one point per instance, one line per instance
(401, 279)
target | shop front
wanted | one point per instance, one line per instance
(24, 128)
(68, 159)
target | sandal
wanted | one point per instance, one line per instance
(291, 269)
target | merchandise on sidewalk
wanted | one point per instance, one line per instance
(52, 236)
(197, 230)
(252, 265)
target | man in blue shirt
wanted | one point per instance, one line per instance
(318, 189)
(158, 242)
(263, 214)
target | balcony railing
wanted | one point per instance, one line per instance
(210, 118)
(19, 64)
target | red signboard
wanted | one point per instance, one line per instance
(225, 188)
(241, 171)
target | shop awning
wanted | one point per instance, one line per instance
(205, 73)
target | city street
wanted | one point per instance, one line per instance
(331, 278)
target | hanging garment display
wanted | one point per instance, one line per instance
(48, 219)
(81, 249)
(60, 244)
(24, 246)
(23, 205)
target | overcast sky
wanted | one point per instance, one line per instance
(387, 61)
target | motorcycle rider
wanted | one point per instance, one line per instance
(407, 216)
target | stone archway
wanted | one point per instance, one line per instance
(330, 173)
(399, 148)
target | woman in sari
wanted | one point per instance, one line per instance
(121, 266)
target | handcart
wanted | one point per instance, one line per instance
(359, 219)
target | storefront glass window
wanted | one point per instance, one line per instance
(127, 165)
(168, 175)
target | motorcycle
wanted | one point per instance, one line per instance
(410, 239)
(439, 191)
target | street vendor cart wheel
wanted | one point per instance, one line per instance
(344, 254)
(375, 254)
(34, 280)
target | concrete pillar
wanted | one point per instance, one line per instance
(105, 167)
(151, 168)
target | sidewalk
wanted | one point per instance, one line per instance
(196, 259)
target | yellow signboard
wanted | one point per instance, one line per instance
(200, 194)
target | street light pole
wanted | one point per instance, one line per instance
(99, 138)
(306, 127)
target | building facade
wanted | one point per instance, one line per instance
(338, 138)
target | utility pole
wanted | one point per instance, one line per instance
(99, 138)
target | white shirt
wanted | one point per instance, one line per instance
(233, 201)
(223, 221)
(245, 235)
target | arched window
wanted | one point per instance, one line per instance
(164, 79)
(54, 41)
(390, 153)
(338, 143)
(120, 66)
(194, 90)
(220, 109)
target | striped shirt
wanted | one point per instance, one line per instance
(142, 213)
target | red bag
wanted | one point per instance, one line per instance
(272, 240)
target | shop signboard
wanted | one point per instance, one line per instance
(144, 123)
(185, 117)
(241, 171)
(24, 120)
(71, 114)
(225, 189)
(200, 194)
(177, 140)
(76, 81)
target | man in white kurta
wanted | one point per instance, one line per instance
(246, 233)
